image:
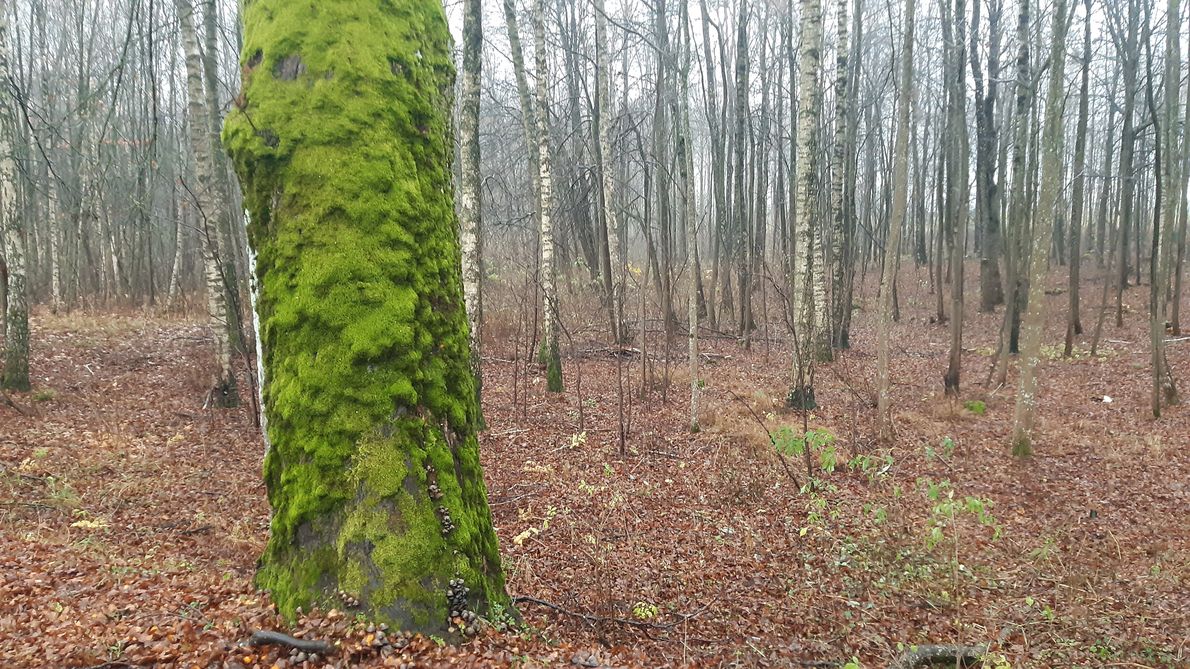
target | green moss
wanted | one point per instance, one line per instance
(552, 360)
(343, 144)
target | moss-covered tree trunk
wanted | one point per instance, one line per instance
(343, 143)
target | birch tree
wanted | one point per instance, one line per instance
(551, 354)
(16, 349)
(223, 390)
(807, 292)
(470, 184)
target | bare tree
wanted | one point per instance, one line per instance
(223, 385)
(896, 224)
(16, 350)
(1042, 238)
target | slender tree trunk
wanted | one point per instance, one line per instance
(1019, 208)
(896, 224)
(551, 355)
(717, 158)
(470, 182)
(16, 349)
(808, 295)
(987, 191)
(223, 391)
(1074, 325)
(1042, 237)
(742, 237)
(840, 299)
(957, 189)
(607, 178)
(224, 217)
(55, 234)
(686, 161)
(1164, 387)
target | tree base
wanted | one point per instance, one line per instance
(801, 398)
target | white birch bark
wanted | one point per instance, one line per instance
(551, 354)
(470, 203)
(607, 180)
(223, 385)
(808, 292)
(16, 353)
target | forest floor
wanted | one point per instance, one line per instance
(131, 518)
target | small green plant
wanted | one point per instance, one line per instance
(977, 407)
(41, 453)
(61, 494)
(947, 450)
(644, 611)
(875, 467)
(1103, 649)
(793, 443)
(947, 508)
(44, 394)
(501, 618)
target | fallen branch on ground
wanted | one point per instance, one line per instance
(270, 638)
(940, 655)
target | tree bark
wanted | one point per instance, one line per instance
(840, 296)
(1164, 387)
(470, 182)
(808, 290)
(607, 180)
(987, 191)
(223, 392)
(16, 348)
(888, 275)
(551, 354)
(344, 148)
(957, 194)
(1042, 237)
(1074, 325)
